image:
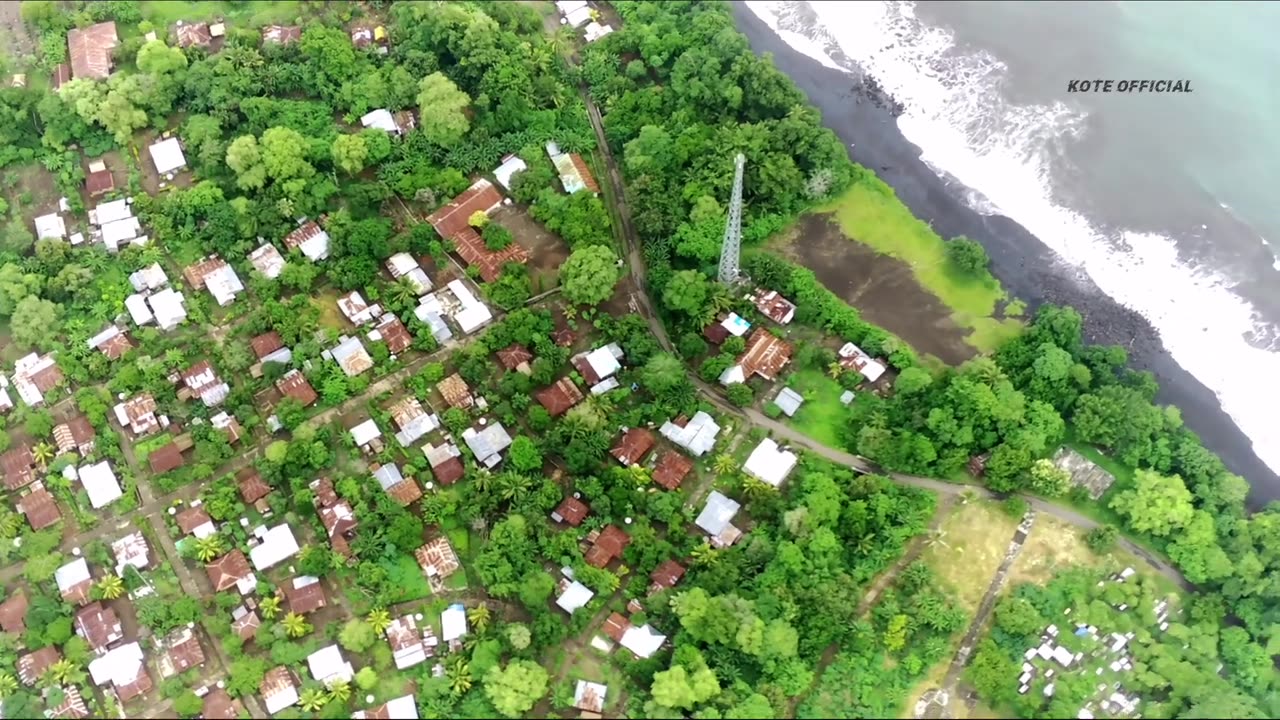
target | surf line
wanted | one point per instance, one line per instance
(1124, 86)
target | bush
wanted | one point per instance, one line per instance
(967, 256)
(772, 411)
(1015, 507)
(1101, 539)
(496, 237)
(741, 394)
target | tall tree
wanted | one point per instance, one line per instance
(589, 275)
(443, 110)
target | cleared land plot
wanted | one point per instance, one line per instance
(821, 417)
(547, 252)
(969, 547)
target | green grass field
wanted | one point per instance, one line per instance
(255, 13)
(821, 417)
(881, 222)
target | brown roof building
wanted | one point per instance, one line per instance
(138, 686)
(294, 384)
(99, 181)
(277, 681)
(515, 358)
(75, 435)
(716, 333)
(90, 50)
(192, 34)
(559, 397)
(773, 306)
(98, 625)
(139, 414)
(191, 518)
(19, 467)
(437, 558)
(571, 510)
(40, 508)
(393, 333)
(72, 706)
(322, 492)
(671, 469)
(182, 652)
(165, 458)
(471, 248)
(228, 570)
(303, 595)
(615, 626)
(32, 665)
(446, 463)
(265, 344)
(455, 391)
(13, 613)
(606, 545)
(251, 485)
(455, 217)
(765, 356)
(61, 75)
(245, 623)
(218, 705)
(633, 446)
(281, 34)
(338, 519)
(666, 575)
(116, 346)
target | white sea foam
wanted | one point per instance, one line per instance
(954, 111)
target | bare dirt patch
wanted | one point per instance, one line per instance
(31, 191)
(13, 34)
(882, 288)
(547, 252)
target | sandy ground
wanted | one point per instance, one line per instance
(856, 110)
(14, 40)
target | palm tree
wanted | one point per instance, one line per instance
(379, 619)
(639, 474)
(65, 672)
(11, 523)
(313, 699)
(43, 452)
(835, 370)
(724, 464)
(756, 489)
(269, 606)
(340, 691)
(295, 626)
(8, 684)
(705, 555)
(402, 293)
(513, 486)
(479, 617)
(459, 675)
(482, 480)
(209, 547)
(110, 587)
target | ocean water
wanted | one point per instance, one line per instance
(1168, 202)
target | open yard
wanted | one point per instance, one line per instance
(968, 548)
(253, 13)
(1053, 546)
(821, 417)
(547, 252)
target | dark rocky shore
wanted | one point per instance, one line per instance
(863, 116)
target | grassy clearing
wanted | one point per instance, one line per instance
(408, 577)
(253, 14)
(883, 223)
(1052, 547)
(821, 417)
(969, 549)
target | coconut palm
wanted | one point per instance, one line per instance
(295, 626)
(704, 555)
(757, 489)
(110, 587)
(340, 691)
(10, 524)
(8, 684)
(65, 672)
(638, 474)
(312, 699)
(480, 617)
(402, 294)
(269, 607)
(209, 547)
(482, 480)
(512, 486)
(724, 464)
(459, 675)
(43, 452)
(379, 619)
(835, 370)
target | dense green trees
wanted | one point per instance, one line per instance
(589, 275)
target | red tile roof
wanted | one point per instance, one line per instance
(303, 600)
(671, 469)
(451, 219)
(615, 626)
(90, 50)
(40, 508)
(558, 398)
(165, 458)
(394, 333)
(572, 511)
(405, 491)
(716, 333)
(633, 446)
(227, 570)
(609, 544)
(513, 356)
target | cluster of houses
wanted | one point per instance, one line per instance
(578, 14)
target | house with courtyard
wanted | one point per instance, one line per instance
(453, 223)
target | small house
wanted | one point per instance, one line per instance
(309, 239)
(769, 463)
(716, 519)
(487, 444)
(293, 384)
(167, 157)
(267, 260)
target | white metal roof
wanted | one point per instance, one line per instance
(72, 574)
(603, 362)
(100, 484)
(168, 308)
(595, 31)
(487, 444)
(138, 309)
(151, 277)
(97, 340)
(268, 260)
(472, 317)
(453, 622)
(281, 699)
(419, 426)
(120, 231)
(50, 226)
(118, 666)
(511, 165)
(380, 119)
(579, 17)
(167, 156)
(717, 514)
(276, 545)
(365, 432)
(388, 476)
(769, 464)
(224, 284)
(328, 666)
(644, 641)
(788, 401)
(575, 596)
(697, 436)
(109, 212)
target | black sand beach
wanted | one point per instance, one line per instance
(861, 116)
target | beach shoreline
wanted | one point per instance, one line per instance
(1030, 271)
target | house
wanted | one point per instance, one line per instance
(362, 36)
(167, 156)
(573, 595)
(98, 625)
(351, 356)
(413, 421)
(515, 358)
(665, 576)
(642, 641)
(589, 696)
(126, 670)
(715, 519)
(571, 511)
(615, 626)
(390, 330)
(180, 651)
(252, 488)
(278, 690)
(410, 645)
(766, 355)
(165, 459)
(606, 545)
(770, 464)
(574, 174)
(359, 312)
(231, 571)
(469, 313)
(404, 490)
(487, 444)
(111, 342)
(671, 469)
(33, 376)
(195, 521)
(281, 34)
(218, 705)
(269, 347)
(576, 13)
(455, 217)
(115, 225)
(201, 381)
(431, 311)
(437, 559)
(303, 594)
(6, 402)
(98, 181)
(139, 310)
(34, 664)
(151, 277)
(168, 308)
(381, 119)
(365, 433)
(192, 34)
(453, 623)
(274, 547)
(74, 581)
(696, 435)
(594, 31)
(138, 414)
(100, 484)
(50, 227)
(445, 461)
(228, 424)
(40, 509)
(559, 397)
(13, 613)
(772, 305)
(245, 623)
(218, 277)
(90, 48)
(402, 266)
(599, 365)
(404, 707)
(471, 247)
(267, 260)
(788, 401)
(19, 467)
(633, 446)
(505, 173)
(310, 239)
(293, 384)
(131, 551)
(455, 391)
(328, 666)
(852, 357)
